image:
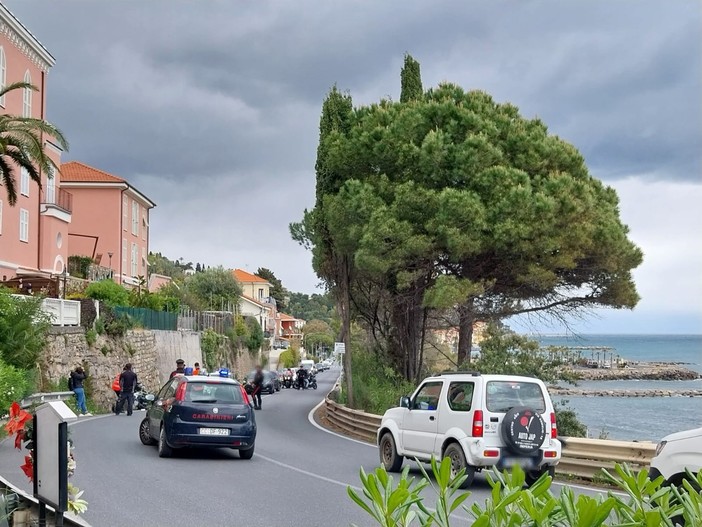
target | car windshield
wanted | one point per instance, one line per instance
(213, 392)
(503, 395)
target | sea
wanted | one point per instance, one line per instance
(644, 418)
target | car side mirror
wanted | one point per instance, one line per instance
(404, 402)
(150, 397)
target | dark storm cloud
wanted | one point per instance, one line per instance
(212, 107)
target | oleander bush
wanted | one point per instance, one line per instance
(639, 501)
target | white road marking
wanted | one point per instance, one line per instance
(307, 472)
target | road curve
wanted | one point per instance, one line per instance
(297, 470)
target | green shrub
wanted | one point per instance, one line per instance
(109, 292)
(568, 423)
(254, 338)
(99, 326)
(210, 342)
(23, 329)
(641, 502)
(91, 337)
(288, 359)
(14, 385)
(376, 385)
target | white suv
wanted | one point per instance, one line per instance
(478, 421)
(677, 453)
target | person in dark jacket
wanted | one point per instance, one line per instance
(127, 384)
(258, 386)
(301, 376)
(77, 378)
(180, 368)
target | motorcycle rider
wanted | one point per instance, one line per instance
(301, 376)
(127, 384)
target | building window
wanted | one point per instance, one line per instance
(124, 255)
(27, 97)
(260, 293)
(135, 218)
(144, 261)
(24, 182)
(135, 259)
(3, 74)
(51, 186)
(144, 224)
(0, 217)
(125, 207)
(24, 225)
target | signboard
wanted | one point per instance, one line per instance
(51, 454)
(339, 348)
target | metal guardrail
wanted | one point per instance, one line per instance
(38, 398)
(581, 458)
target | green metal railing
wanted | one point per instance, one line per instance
(150, 319)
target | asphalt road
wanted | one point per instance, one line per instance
(298, 475)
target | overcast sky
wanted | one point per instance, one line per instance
(211, 108)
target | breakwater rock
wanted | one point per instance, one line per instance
(641, 371)
(579, 392)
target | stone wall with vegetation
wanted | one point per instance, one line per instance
(150, 352)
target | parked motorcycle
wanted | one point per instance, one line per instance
(287, 380)
(142, 398)
(301, 383)
(312, 381)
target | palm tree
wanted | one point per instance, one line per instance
(21, 145)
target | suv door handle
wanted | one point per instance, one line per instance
(431, 417)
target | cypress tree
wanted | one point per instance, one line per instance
(411, 80)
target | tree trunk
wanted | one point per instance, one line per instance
(345, 308)
(465, 332)
(408, 316)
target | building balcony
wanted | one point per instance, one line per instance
(57, 202)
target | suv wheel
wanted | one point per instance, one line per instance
(163, 449)
(389, 457)
(458, 462)
(533, 476)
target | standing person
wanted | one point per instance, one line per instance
(196, 369)
(258, 386)
(180, 368)
(77, 378)
(127, 384)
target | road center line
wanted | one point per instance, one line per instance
(307, 472)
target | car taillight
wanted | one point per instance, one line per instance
(180, 392)
(554, 428)
(244, 395)
(478, 423)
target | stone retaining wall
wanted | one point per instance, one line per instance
(152, 354)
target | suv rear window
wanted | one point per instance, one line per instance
(213, 392)
(503, 395)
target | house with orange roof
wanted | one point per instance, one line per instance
(289, 326)
(256, 301)
(33, 232)
(110, 222)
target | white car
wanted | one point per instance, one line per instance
(677, 453)
(479, 421)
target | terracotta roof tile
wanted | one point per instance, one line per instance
(80, 172)
(284, 316)
(245, 277)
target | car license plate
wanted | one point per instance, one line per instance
(213, 431)
(524, 462)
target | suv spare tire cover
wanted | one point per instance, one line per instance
(523, 430)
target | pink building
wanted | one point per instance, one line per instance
(110, 221)
(33, 233)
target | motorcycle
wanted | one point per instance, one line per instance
(287, 380)
(301, 385)
(312, 381)
(142, 398)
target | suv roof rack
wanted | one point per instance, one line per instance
(449, 372)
